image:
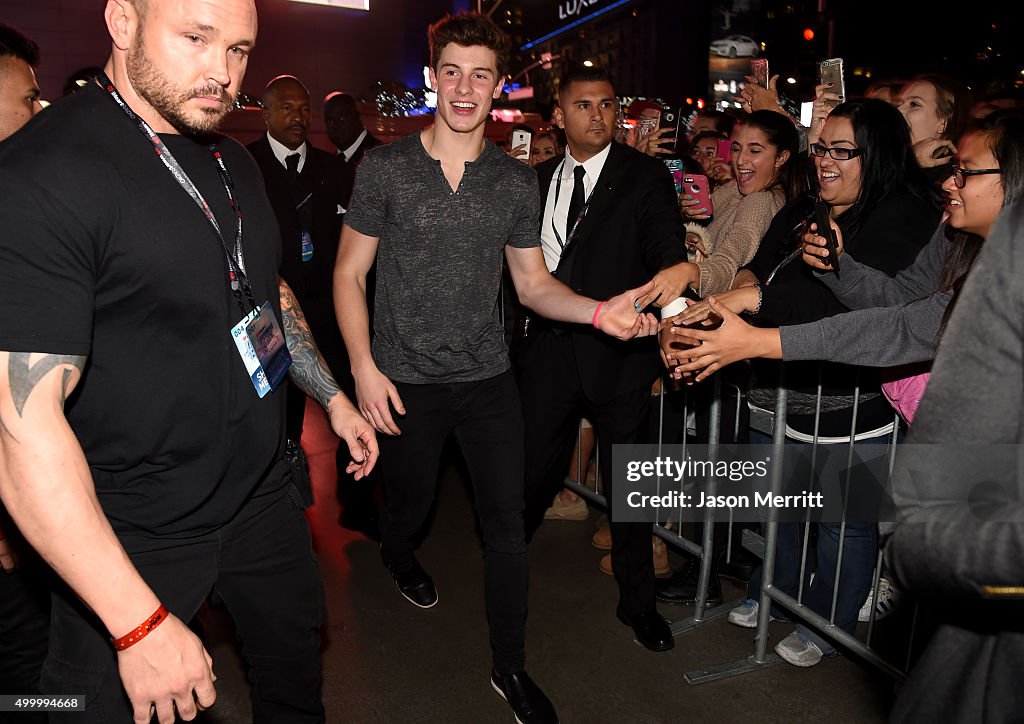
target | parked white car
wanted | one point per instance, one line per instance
(733, 46)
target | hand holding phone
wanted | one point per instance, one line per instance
(823, 221)
(645, 125)
(724, 150)
(521, 140)
(699, 204)
(669, 120)
(830, 73)
(759, 69)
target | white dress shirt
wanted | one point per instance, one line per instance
(554, 216)
(281, 152)
(349, 152)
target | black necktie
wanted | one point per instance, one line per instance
(291, 161)
(579, 194)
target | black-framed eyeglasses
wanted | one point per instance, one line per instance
(960, 174)
(837, 152)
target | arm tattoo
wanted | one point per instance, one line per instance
(24, 377)
(308, 370)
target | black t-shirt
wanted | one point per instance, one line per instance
(889, 240)
(104, 255)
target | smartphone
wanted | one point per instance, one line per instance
(759, 69)
(520, 138)
(831, 71)
(687, 123)
(675, 167)
(806, 113)
(724, 150)
(645, 126)
(821, 218)
(696, 185)
(670, 119)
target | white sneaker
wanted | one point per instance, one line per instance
(799, 650)
(745, 615)
(889, 599)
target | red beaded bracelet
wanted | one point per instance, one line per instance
(137, 634)
(597, 312)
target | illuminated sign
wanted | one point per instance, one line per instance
(570, 9)
(577, 12)
(351, 4)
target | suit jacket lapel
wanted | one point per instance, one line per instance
(600, 200)
(545, 174)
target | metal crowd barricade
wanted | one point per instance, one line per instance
(764, 547)
(770, 593)
(673, 536)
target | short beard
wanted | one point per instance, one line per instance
(169, 100)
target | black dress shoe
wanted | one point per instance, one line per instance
(739, 569)
(528, 702)
(416, 586)
(651, 630)
(681, 588)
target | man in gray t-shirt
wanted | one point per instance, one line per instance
(437, 210)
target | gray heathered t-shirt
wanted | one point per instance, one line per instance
(440, 256)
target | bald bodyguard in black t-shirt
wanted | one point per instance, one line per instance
(140, 451)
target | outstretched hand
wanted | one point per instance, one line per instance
(670, 283)
(741, 299)
(620, 316)
(705, 351)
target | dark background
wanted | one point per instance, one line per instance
(653, 47)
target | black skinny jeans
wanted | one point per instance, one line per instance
(487, 421)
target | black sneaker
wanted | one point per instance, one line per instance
(528, 702)
(681, 588)
(416, 586)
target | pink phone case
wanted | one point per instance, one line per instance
(724, 150)
(696, 185)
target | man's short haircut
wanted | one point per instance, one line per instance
(339, 99)
(583, 74)
(467, 30)
(271, 90)
(15, 44)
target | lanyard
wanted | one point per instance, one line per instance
(793, 254)
(234, 256)
(579, 218)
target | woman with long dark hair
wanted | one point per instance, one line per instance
(886, 209)
(768, 172)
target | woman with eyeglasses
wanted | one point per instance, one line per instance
(886, 210)
(898, 320)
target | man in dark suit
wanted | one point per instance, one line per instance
(346, 131)
(610, 222)
(303, 185)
